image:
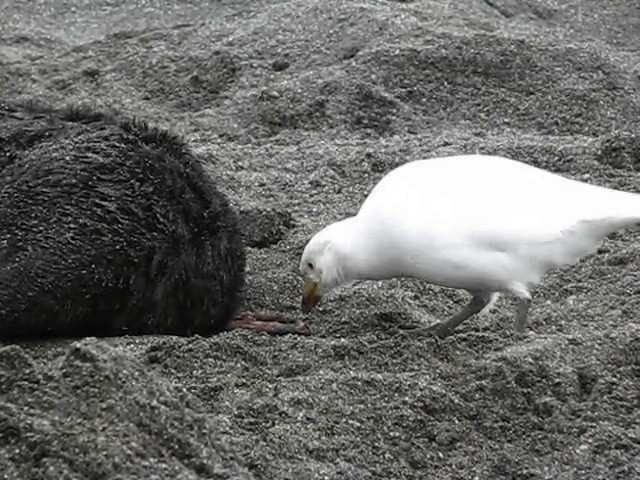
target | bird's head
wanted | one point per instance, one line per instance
(321, 266)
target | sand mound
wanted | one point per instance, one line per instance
(97, 411)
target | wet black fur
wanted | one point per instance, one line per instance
(109, 227)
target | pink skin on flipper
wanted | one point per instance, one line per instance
(271, 324)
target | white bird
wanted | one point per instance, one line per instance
(481, 223)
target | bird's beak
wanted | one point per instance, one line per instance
(311, 295)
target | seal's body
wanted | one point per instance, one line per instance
(109, 227)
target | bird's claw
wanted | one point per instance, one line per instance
(439, 329)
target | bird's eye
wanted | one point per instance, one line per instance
(310, 265)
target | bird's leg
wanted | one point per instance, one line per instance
(522, 313)
(271, 324)
(477, 303)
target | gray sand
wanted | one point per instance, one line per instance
(301, 107)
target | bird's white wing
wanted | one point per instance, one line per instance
(497, 214)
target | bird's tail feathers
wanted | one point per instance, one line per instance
(626, 210)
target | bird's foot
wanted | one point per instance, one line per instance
(439, 329)
(271, 324)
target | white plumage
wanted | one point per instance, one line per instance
(482, 223)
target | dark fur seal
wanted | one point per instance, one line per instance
(108, 227)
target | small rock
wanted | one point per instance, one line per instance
(620, 150)
(265, 227)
